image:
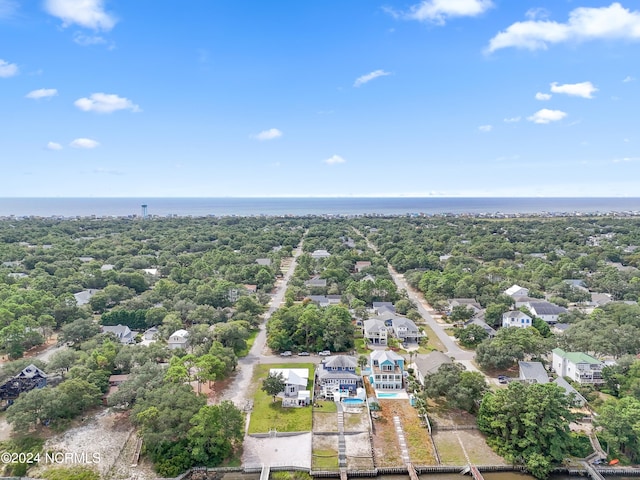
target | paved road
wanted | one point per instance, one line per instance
(238, 390)
(465, 357)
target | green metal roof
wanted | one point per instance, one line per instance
(577, 357)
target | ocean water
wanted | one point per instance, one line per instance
(122, 207)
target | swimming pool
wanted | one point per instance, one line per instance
(386, 395)
(353, 401)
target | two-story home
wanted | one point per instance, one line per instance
(178, 339)
(295, 386)
(533, 372)
(516, 318)
(338, 373)
(405, 330)
(375, 331)
(577, 366)
(387, 370)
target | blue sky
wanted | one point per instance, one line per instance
(210, 98)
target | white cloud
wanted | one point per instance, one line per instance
(270, 134)
(88, 40)
(584, 89)
(485, 128)
(86, 13)
(370, 76)
(543, 96)
(512, 119)
(7, 69)
(537, 13)
(105, 103)
(335, 159)
(438, 11)
(42, 93)
(585, 23)
(628, 79)
(84, 143)
(547, 116)
(54, 146)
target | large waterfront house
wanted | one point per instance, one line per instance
(337, 374)
(387, 370)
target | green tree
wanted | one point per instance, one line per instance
(273, 384)
(471, 335)
(528, 424)
(217, 430)
(620, 423)
(78, 331)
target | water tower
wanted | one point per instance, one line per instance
(144, 211)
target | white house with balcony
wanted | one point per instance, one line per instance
(376, 332)
(577, 366)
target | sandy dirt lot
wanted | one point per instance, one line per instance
(356, 422)
(291, 451)
(452, 453)
(101, 440)
(359, 455)
(324, 421)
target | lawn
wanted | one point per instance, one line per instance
(361, 346)
(324, 460)
(250, 341)
(267, 415)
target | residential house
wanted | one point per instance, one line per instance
(559, 328)
(85, 259)
(387, 370)
(375, 331)
(29, 378)
(470, 303)
(107, 267)
(123, 333)
(516, 318)
(424, 365)
(150, 336)
(578, 400)
(338, 374)
(368, 278)
(295, 386)
(361, 265)
(546, 311)
(265, 262)
(251, 288)
(533, 372)
(482, 324)
(114, 383)
(405, 330)
(178, 339)
(320, 254)
(324, 300)
(82, 298)
(577, 366)
(154, 272)
(517, 291)
(316, 282)
(382, 307)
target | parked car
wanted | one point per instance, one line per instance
(503, 379)
(303, 354)
(324, 353)
(286, 353)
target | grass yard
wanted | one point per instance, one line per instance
(268, 415)
(250, 342)
(361, 346)
(324, 460)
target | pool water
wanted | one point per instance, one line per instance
(386, 395)
(354, 401)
